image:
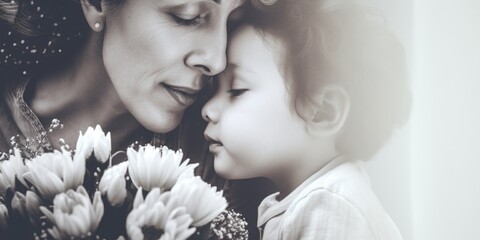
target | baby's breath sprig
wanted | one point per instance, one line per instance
(135, 145)
(42, 139)
(65, 146)
(229, 225)
(55, 125)
(32, 147)
(28, 147)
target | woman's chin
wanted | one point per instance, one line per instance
(162, 124)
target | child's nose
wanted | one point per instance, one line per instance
(209, 112)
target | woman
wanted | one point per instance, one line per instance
(132, 66)
(141, 63)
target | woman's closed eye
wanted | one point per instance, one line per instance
(236, 92)
(189, 20)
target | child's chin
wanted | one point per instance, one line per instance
(227, 172)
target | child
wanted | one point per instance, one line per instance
(311, 87)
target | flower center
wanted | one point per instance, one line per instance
(151, 233)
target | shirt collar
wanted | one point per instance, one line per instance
(271, 207)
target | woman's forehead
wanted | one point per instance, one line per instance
(232, 3)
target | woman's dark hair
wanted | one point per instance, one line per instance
(340, 42)
(36, 33)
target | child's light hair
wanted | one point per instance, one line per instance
(338, 41)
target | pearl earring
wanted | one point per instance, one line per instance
(97, 25)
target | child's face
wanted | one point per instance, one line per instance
(251, 128)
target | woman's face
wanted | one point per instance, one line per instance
(158, 54)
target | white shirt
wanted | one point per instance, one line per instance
(336, 203)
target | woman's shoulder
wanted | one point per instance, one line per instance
(11, 89)
(7, 124)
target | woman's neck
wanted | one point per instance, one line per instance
(81, 95)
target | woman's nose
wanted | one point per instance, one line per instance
(210, 54)
(210, 111)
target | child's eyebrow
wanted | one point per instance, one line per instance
(240, 74)
(233, 67)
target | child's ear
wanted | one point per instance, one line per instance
(94, 15)
(332, 106)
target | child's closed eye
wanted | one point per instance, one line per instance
(236, 92)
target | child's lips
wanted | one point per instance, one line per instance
(213, 145)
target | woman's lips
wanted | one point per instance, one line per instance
(184, 96)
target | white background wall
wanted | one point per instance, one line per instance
(428, 176)
(446, 120)
(390, 171)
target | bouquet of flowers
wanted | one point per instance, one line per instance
(79, 194)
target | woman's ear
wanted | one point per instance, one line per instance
(331, 109)
(94, 15)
